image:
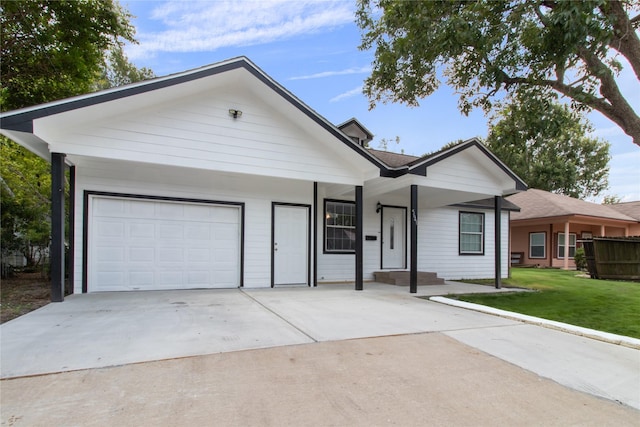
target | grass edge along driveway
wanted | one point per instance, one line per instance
(605, 305)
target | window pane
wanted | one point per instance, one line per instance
(572, 245)
(537, 251)
(470, 222)
(471, 232)
(340, 226)
(471, 243)
(537, 239)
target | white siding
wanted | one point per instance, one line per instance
(198, 132)
(468, 173)
(341, 267)
(256, 192)
(438, 245)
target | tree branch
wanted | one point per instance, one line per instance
(620, 110)
(625, 38)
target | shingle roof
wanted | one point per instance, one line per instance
(536, 203)
(631, 209)
(393, 159)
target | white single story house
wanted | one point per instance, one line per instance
(219, 177)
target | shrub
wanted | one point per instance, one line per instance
(580, 259)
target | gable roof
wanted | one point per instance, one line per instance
(16, 122)
(536, 203)
(631, 209)
(19, 124)
(355, 122)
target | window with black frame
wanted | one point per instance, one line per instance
(340, 226)
(471, 238)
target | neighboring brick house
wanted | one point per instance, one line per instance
(631, 209)
(538, 230)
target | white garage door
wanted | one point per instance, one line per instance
(139, 244)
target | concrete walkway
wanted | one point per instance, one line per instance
(112, 329)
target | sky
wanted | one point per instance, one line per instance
(312, 49)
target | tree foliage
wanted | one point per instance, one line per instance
(55, 49)
(611, 199)
(118, 70)
(51, 50)
(570, 47)
(25, 192)
(548, 145)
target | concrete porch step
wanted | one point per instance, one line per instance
(401, 278)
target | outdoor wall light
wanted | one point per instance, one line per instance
(235, 113)
(378, 207)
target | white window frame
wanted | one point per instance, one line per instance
(461, 233)
(561, 245)
(544, 245)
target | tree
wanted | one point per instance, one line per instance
(51, 50)
(611, 199)
(25, 194)
(547, 145)
(383, 144)
(56, 49)
(118, 71)
(569, 47)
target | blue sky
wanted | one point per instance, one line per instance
(311, 48)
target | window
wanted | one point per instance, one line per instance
(537, 245)
(572, 245)
(340, 226)
(471, 233)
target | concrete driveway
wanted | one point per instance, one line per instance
(111, 329)
(115, 328)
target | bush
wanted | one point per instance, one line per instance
(580, 259)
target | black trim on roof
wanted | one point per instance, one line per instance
(23, 121)
(419, 166)
(356, 122)
(489, 203)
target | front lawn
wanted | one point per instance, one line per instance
(605, 305)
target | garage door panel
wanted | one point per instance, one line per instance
(171, 231)
(141, 230)
(171, 255)
(107, 227)
(144, 254)
(199, 255)
(141, 279)
(198, 231)
(148, 244)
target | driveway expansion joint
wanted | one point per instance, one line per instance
(277, 315)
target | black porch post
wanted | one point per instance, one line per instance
(56, 254)
(498, 240)
(315, 234)
(413, 274)
(70, 264)
(359, 264)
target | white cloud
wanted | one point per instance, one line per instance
(360, 70)
(348, 94)
(195, 26)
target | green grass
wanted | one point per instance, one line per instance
(605, 305)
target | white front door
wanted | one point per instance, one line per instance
(290, 245)
(394, 232)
